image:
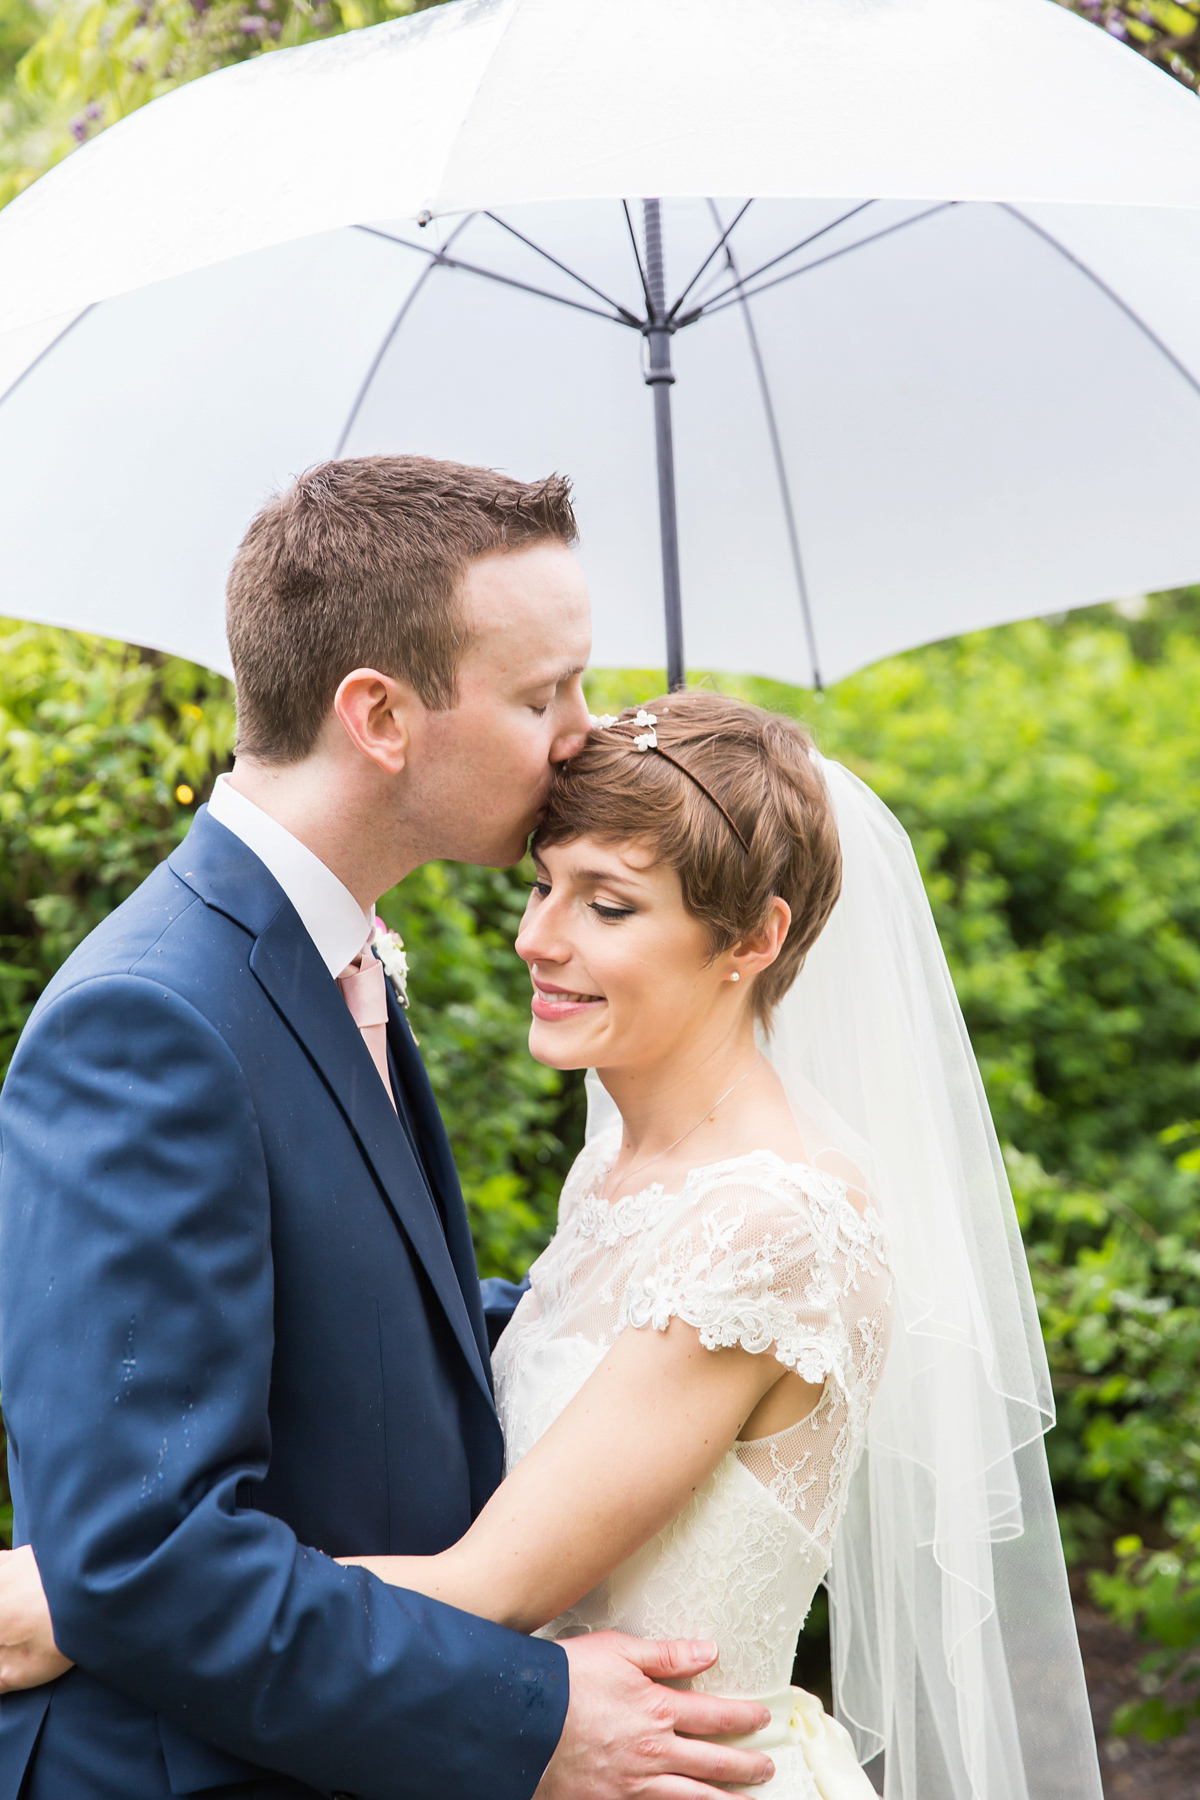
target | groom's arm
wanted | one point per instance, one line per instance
(136, 1296)
(500, 1302)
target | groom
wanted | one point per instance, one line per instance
(242, 1332)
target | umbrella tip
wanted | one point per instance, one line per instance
(424, 219)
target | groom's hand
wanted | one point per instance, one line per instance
(626, 1738)
(28, 1654)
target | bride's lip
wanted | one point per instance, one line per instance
(561, 1003)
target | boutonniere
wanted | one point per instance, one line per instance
(389, 947)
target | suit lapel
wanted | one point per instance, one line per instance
(439, 1164)
(284, 960)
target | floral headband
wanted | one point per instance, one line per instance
(648, 740)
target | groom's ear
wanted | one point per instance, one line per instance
(375, 712)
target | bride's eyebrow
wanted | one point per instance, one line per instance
(605, 878)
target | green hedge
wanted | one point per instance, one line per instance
(1049, 775)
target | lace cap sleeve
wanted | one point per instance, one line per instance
(766, 1255)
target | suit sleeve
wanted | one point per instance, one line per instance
(136, 1299)
(500, 1302)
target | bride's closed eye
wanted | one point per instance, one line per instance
(611, 913)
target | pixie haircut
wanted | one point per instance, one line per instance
(358, 564)
(750, 820)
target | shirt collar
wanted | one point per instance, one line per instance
(330, 914)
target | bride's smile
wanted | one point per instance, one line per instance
(626, 980)
(622, 973)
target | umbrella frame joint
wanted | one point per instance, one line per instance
(657, 327)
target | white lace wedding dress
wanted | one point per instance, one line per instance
(754, 1251)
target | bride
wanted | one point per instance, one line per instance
(784, 1332)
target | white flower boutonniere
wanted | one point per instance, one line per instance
(389, 947)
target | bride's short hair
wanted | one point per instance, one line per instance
(731, 797)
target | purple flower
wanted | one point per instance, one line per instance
(252, 26)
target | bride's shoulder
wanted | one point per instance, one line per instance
(760, 1204)
(765, 1180)
(767, 1253)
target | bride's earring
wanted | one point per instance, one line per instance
(735, 976)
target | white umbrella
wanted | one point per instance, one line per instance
(966, 391)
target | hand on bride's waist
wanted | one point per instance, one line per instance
(628, 1738)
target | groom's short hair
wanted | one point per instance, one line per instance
(358, 564)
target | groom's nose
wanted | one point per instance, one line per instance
(573, 727)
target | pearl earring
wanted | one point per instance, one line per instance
(735, 976)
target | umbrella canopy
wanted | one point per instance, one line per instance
(956, 384)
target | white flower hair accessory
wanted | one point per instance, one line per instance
(389, 948)
(649, 738)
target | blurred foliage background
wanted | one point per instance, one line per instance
(1049, 774)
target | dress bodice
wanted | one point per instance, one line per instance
(757, 1252)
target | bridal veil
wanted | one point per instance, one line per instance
(953, 1639)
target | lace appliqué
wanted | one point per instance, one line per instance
(609, 1222)
(728, 1295)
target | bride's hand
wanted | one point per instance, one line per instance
(28, 1653)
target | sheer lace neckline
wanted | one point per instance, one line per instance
(833, 1186)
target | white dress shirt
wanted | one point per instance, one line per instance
(330, 914)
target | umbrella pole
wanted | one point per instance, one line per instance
(660, 376)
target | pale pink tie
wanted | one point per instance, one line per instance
(363, 989)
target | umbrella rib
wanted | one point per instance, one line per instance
(754, 274)
(386, 344)
(785, 491)
(1098, 281)
(732, 298)
(41, 356)
(637, 257)
(525, 287)
(716, 249)
(629, 318)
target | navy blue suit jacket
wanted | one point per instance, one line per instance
(242, 1334)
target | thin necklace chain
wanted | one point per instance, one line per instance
(707, 1113)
